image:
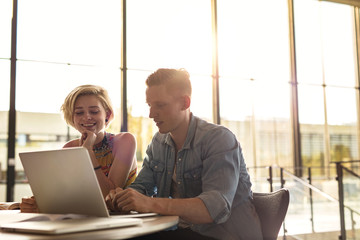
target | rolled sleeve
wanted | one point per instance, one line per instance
(216, 205)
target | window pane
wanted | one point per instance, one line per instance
(248, 47)
(42, 87)
(5, 85)
(254, 90)
(164, 33)
(201, 99)
(338, 44)
(5, 28)
(311, 104)
(312, 128)
(81, 31)
(237, 112)
(342, 121)
(308, 41)
(4, 120)
(139, 123)
(5, 51)
(272, 126)
(325, 45)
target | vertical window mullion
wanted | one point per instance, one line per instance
(294, 94)
(357, 82)
(123, 69)
(10, 183)
(215, 63)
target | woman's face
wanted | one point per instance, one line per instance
(89, 114)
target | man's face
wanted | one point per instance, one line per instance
(165, 108)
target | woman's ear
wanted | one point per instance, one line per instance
(109, 117)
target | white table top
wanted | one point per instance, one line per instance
(150, 225)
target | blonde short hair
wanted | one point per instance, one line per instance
(172, 78)
(86, 90)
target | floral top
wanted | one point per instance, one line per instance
(103, 153)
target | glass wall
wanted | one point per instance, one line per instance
(164, 34)
(255, 74)
(55, 54)
(326, 67)
(62, 44)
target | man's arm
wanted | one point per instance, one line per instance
(192, 210)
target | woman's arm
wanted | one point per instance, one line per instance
(124, 147)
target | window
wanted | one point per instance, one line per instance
(254, 83)
(167, 36)
(326, 69)
(56, 54)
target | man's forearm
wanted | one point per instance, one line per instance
(192, 210)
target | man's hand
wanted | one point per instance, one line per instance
(128, 200)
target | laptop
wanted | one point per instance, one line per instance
(69, 225)
(63, 181)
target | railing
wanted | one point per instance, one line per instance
(342, 172)
(315, 203)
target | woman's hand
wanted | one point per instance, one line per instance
(87, 139)
(28, 205)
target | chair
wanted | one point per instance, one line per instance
(271, 209)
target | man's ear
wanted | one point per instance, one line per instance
(186, 102)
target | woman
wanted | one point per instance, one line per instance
(89, 110)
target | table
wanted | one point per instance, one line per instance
(150, 225)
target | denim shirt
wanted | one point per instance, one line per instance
(210, 166)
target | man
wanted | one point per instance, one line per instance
(193, 169)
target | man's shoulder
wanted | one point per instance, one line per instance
(210, 134)
(211, 128)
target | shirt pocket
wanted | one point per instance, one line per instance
(158, 169)
(193, 183)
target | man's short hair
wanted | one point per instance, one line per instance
(178, 79)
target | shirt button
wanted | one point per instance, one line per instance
(155, 166)
(179, 183)
(179, 159)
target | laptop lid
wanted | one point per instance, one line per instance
(64, 181)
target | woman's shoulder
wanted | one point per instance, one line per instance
(72, 143)
(124, 137)
(124, 141)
